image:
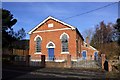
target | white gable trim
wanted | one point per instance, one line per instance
(37, 37)
(46, 20)
(90, 46)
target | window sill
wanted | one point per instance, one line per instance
(38, 53)
(64, 52)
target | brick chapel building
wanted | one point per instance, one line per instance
(56, 39)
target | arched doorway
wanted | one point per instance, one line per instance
(50, 46)
(84, 55)
(96, 56)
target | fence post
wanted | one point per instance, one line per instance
(119, 58)
(103, 60)
(68, 61)
(42, 60)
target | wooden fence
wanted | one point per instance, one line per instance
(20, 52)
(16, 56)
(6, 51)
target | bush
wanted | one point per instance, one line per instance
(118, 66)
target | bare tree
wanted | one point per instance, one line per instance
(88, 33)
(103, 37)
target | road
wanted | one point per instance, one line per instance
(44, 73)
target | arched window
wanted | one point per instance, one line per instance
(64, 42)
(38, 44)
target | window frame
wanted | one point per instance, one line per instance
(50, 25)
(67, 44)
(35, 39)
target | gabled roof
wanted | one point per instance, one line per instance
(50, 17)
(91, 47)
(79, 34)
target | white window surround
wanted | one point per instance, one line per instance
(61, 38)
(64, 52)
(35, 40)
(63, 34)
(37, 53)
(50, 25)
(47, 46)
(37, 37)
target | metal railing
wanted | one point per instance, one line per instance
(76, 62)
(56, 59)
(85, 64)
(20, 58)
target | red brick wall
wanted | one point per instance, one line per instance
(79, 43)
(90, 52)
(54, 36)
(75, 42)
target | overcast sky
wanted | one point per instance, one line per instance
(30, 14)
